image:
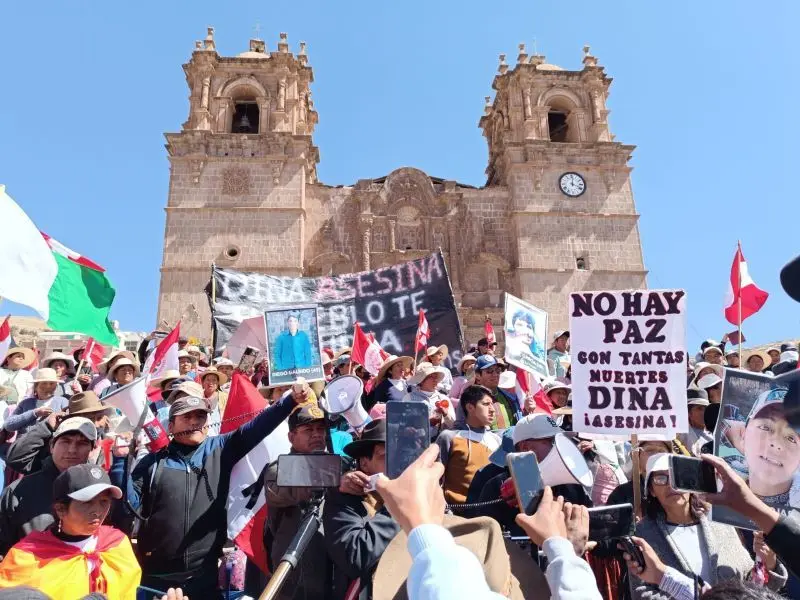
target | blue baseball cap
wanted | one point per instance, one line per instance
(485, 361)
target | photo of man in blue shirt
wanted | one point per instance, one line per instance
(293, 346)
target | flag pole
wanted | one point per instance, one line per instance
(739, 296)
(637, 476)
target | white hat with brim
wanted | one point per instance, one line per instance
(169, 375)
(91, 492)
(103, 368)
(436, 349)
(425, 370)
(773, 349)
(185, 354)
(657, 462)
(465, 359)
(29, 355)
(549, 386)
(508, 380)
(718, 369)
(223, 362)
(122, 362)
(536, 426)
(223, 379)
(765, 358)
(393, 360)
(710, 349)
(45, 375)
(54, 356)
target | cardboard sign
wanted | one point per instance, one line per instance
(629, 363)
(526, 333)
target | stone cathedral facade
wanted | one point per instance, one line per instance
(556, 214)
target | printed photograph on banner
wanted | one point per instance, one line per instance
(526, 332)
(755, 438)
(293, 345)
(629, 363)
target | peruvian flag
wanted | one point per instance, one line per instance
(247, 502)
(742, 291)
(367, 351)
(528, 386)
(488, 331)
(5, 336)
(162, 359)
(422, 332)
(93, 354)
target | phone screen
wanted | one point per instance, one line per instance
(687, 474)
(317, 470)
(527, 480)
(248, 359)
(609, 522)
(407, 435)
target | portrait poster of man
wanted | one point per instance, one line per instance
(754, 437)
(526, 331)
(293, 343)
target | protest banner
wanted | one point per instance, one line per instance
(629, 363)
(385, 301)
(754, 437)
(526, 332)
(293, 345)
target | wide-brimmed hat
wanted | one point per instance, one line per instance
(718, 370)
(392, 360)
(766, 358)
(373, 433)
(425, 370)
(709, 349)
(169, 375)
(508, 380)
(46, 376)
(465, 359)
(122, 362)
(213, 371)
(326, 359)
(436, 349)
(223, 362)
(185, 354)
(696, 397)
(87, 402)
(103, 367)
(342, 351)
(30, 355)
(554, 384)
(536, 426)
(506, 567)
(54, 356)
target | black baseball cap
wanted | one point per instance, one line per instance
(303, 415)
(82, 483)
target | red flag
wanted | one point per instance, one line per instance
(5, 336)
(247, 506)
(528, 386)
(162, 359)
(742, 291)
(93, 354)
(488, 331)
(367, 351)
(422, 332)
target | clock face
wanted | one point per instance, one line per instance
(572, 184)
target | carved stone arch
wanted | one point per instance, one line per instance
(562, 94)
(227, 88)
(234, 89)
(408, 182)
(329, 263)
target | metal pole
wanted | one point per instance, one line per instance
(637, 476)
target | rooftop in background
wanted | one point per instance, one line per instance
(33, 332)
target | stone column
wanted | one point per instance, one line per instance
(366, 238)
(455, 254)
(263, 114)
(392, 235)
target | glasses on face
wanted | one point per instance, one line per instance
(494, 371)
(659, 479)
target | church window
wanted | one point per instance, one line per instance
(245, 117)
(580, 264)
(557, 124)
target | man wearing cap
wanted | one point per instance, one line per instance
(507, 406)
(293, 346)
(26, 504)
(358, 527)
(285, 508)
(28, 452)
(182, 492)
(484, 347)
(697, 435)
(40, 405)
(558, 356)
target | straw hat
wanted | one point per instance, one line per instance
(425, 370)
(53, 356)
(434, 349)
(30, 355)
(103, 368)
(123, 362)
(342, 351)
(213, 371)
(465, 359)
(45, 375)
(393, 360)
(168, 376)
(185, 354)
(761, 353)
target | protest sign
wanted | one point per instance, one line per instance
(754, 437)
(629, 363)
(386, 301)
(293, 344)
(526, 332)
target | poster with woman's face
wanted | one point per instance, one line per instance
(526, 331)
(754, 437)
(293, 343)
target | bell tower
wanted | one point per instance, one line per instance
(239, 168)
(572, 214)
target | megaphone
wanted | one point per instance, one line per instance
(132, 400)
(342, 396)
(565, 465)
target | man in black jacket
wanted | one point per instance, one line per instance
(182, 491)
(358, 528)
(27, 504)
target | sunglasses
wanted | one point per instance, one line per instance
(659, 479)
(494, 371)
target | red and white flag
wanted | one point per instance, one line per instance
(247, 502)
(367, 351)
(528, 386)
(93, 354)
(742, 291)
(162, 359)
(5, 336)
(488, 331)
(422, 332)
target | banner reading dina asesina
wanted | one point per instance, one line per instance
(385, 301)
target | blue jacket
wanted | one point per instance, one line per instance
(182, 494)
(293, 351)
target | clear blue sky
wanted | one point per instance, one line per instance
(706, 90)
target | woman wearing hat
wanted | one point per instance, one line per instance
(756, 361)
(688, 542)
(390, 383)
(77, 555)
(64, 366)
(466, 375)
(105, 380)
(226, 367)
(15, 381)
(423, 387)
(436, 356)
(123, 372)
(40, 405)
(211, 380)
